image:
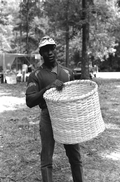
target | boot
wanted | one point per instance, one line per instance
(46, 174)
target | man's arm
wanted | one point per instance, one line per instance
(33, 95)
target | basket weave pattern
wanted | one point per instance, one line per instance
(75, 112)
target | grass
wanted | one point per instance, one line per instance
(20, 143)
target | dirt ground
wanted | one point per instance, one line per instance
(20, 142)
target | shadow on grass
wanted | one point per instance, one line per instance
(20, 141)
(20, 146)
(17, 90)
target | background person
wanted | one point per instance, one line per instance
(24, 71)
(51, 74)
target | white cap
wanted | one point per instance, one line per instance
(46, 41)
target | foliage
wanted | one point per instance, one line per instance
(65, 21)
(23, 23)
(6, 25)
(104, 29)
(103, 21)
(65, 12)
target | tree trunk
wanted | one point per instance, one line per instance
(27, 27)
(67, 34)
(20, 41)
(67, 46)
(85, 40)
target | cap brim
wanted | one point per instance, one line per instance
(46, 45)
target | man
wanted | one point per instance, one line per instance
(49, 75)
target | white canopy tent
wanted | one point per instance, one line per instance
(16, 60)
(7, 60)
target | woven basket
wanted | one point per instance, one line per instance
(75, 112)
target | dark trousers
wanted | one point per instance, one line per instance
(47, 141)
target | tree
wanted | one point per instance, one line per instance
(85, 40)
(8, 14)
(5, 27)
(64, 20)
(29, 9)
(66, 17)
(104, 29)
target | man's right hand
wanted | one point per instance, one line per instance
(56, 84)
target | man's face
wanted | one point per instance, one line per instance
(49, 54)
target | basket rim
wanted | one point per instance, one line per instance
(74, 98)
